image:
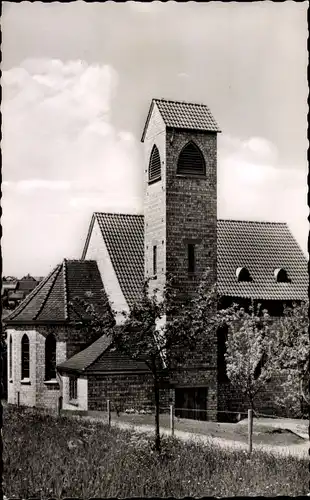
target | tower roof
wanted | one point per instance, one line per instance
(50, 302)
(183, 115)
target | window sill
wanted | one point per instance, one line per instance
(192, 176)
(25, 381)
(51, 382)
(73, 402)
(152, 181)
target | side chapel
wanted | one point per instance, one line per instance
(179, 233)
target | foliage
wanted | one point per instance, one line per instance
(249, 349)
(291, 339)
(49, 457)
(163, 329)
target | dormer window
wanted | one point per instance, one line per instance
(281, 276)
(191, 161)
(154, 165)
(243, 274)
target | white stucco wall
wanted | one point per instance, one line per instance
(98, 251)
(82, 394)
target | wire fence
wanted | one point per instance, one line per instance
(193, 420)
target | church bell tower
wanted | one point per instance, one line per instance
(180, 193)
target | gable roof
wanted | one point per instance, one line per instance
(123, 235)
(50, 301)
(261, 247)
(184, 115)
(99, 357)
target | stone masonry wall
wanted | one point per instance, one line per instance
(36, 391)
(125, 391)
(155, 202)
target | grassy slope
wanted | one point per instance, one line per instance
(49, 457)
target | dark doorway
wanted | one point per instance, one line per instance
(191, 402)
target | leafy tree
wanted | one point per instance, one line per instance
(249, 349)
(162, 329)
(291, 339)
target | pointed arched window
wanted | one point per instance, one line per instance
(50, 357)
(25, 357)
(10, 356)
(191, 161)
(154, 165)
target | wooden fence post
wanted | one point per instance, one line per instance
(250, 430)
(172, 419)
(18, 401)
(59, 406)
(109, 412)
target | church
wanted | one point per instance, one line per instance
(50, 357)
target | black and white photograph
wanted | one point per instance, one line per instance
(155, 287)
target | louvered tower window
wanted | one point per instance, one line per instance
(191, 161)
(154, 165)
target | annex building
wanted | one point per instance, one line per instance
(50, 356)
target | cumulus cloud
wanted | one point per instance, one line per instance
(252, 185)
(62, 157)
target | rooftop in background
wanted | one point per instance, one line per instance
(50, 301)
(183, 115)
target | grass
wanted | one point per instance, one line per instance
(45, 456)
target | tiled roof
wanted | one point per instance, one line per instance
(50, 301)
(261, 247)
(99, 357)
(184, 115)
(124, 237)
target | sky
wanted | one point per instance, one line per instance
(77, 83)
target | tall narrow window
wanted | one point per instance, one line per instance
(72, 388)
(25, 357)
(50, 357)
(10, 357)
(191, 258)
(154, 165)
(154, 260)
(191, 161)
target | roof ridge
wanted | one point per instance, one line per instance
(180, 102)
(64, 265)
(253, 221)
(27, 299)
(118, 213)
(48, 293)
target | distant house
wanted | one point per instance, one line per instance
(15, 290)
(179, 233)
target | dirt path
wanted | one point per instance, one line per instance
(297, 450)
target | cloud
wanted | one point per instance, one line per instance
(62, 157)
(252, 185)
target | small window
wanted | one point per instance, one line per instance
(281, 276)
(191, 161)
(25, 357)
(50, 357)
(73, 388)
(243, 274)
(10, 357)
(191, 258)
(154, 165)
(154, 260)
